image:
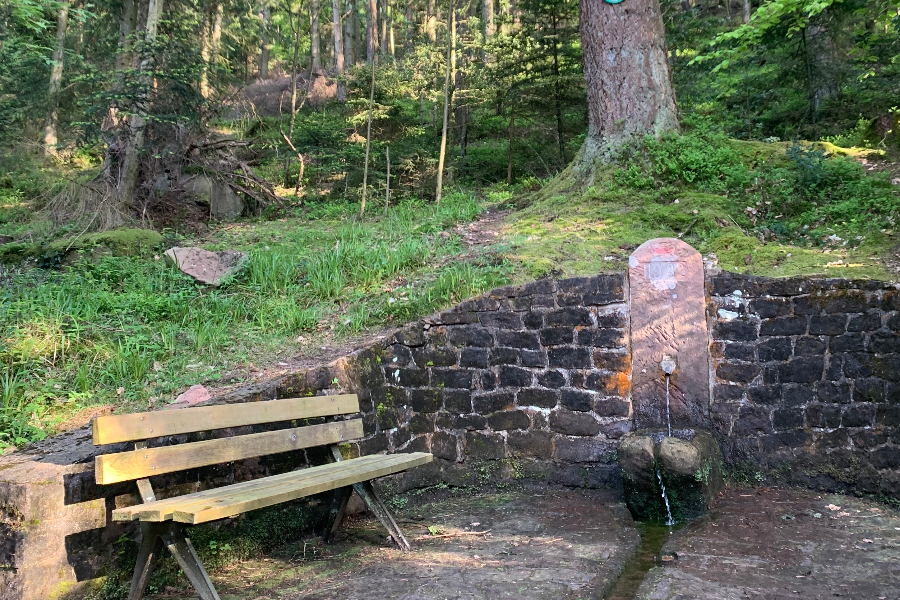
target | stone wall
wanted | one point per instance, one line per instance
(807, 380)
(530, 381)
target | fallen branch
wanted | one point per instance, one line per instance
(450, 535)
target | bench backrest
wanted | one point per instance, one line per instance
(144, 462)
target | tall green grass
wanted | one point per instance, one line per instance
(128, 329)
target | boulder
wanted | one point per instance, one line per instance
(679, 457)
(208, 267)
(224, 203)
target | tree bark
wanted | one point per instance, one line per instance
(557, 92)
(451, 40)
(56, 71)
(430, 22)
(315, 46)
(383, 29)
(338, 51)
(387, 185)
(264, 45)
(487, 10)
(509, 155)
(371, 29)
(128, 175)
(626, 70)
(349, 45)
(362, 205)
(745, 11)
(127, 22)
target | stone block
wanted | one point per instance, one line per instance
(736, 331)
(487, 381)
(869, 438)
(445, 445)
(421, 423)
(571, 317)
(612, 406)
(503, 356)
(552, 379)
(611, 361)
(679, 457)
(574, 423)
(512, 419)
(774, 349)
(489, 403)
(409, 377)
(501, 320)
(583, 450)
(783, 326)
(807, 305)
(485, 446)
(823, 415)
(425, 400)
(811, 346)
(768, 308)
(788, 418)
(457, 401)
(858, 415)
(803, 369)
(557, 336)
(602, 338)
(828, 391)
(886, 457)
(451, 378)
(867, 322)
(533, 320)
(576, 400)
(454, 421)
(533, 358)
(797, 395)
(518, 339)
(612, 320)
(871, 389)
(888, 415)
(828, 325)
(473, 357)
(469, 335)
(737, 372)
(888, 367)
(752, 420)
(763, 394)
(850, 301)
(884, 342)
(737, 351)
(569, 357)
(434, 357)
(515, 377)
(617, 429)
(858, 364)
(537, 397)
(531, 444)
(541, 286)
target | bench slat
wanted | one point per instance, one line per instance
(142, 426)
(231, 500)
(125, 466)
(162, 510)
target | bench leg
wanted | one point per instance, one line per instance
(367, 493)
(337, 512)
(183, 551)
(148, 554)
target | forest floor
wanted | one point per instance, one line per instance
(558, 544)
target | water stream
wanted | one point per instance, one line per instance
(668, 418)
(669, 520)
(653, 537)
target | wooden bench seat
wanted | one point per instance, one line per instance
(163, 521)
(238, 498)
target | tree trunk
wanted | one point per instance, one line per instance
(745, 11)
(430, 22)
(123, 60)
(128, 175)
(205, 50)
(822, 67)
(387, 185)
(451, 40)
(371, 29)
(487, 9)
(390, 27)
(509, 155)
(629, 88)
(383, 29)
(315, 47)
(294, 70)
(349, 46)
(56, 71)
(362, 205)
(557, 93)
(338, 51)
(264, 45)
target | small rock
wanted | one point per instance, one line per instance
(208, 267)
(194, 395)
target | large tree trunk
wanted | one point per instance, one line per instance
(487, 10)
(349, 42)
(56, 71)
(629, 88)
(127, 22)
(128, 175)
(315, 47)
(745, 11)
(430, 21)
(451, 42)
(338, 50)
(264, 45)
(383, 24)
(210, 37)
(371, 28)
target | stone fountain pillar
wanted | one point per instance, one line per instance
(670, 385)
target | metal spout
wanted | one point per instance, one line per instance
(668, 364)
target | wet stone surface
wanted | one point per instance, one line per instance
(540, 543)
(769, 544)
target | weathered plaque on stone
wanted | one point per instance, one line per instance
(668, 323)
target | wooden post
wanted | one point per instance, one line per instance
(387, 188)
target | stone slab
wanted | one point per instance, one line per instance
(668, 319)
(208, 267)
(769, 544)
(543, 543)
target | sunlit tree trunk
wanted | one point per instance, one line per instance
(315, 47)
(264, 45)
(745, 11)
(138, 121)
(127, 20)
(371, 28)
(210, 37)
(430, 22)
(383, 26)
(362, 204)
(338, 50)
(451, 41)
(349, 42)
(626, 70)
(487, 15)
(56, 71)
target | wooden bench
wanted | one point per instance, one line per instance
(163, 521)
